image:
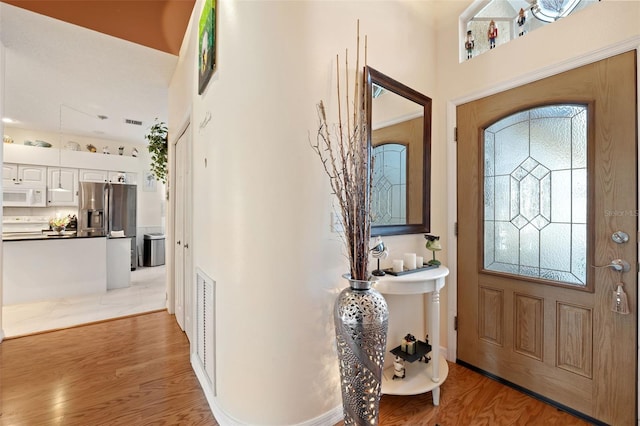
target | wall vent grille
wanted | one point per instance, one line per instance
(133, 122)
(205, 326)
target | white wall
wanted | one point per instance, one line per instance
(1, 133)
(589, 30)
(262, 203)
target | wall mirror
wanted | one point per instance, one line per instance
(399, 120)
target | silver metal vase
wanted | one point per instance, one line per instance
(361, 319)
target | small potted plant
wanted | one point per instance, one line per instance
(159, 150)
(59, 224)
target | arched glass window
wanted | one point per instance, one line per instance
(487, 24)
(535, 194)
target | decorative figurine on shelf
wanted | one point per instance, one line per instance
(105, 149)
(91, 148)
(134, 152)
(398, 368)
(522, 18)
(492, 34)
(424, 358)
(408, 344)
(469, 44)
(433, 244)
(379, 251)
(120, 150)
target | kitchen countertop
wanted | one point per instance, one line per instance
(47, 235)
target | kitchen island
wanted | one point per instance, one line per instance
(37, 268)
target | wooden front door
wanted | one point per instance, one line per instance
(546, 176)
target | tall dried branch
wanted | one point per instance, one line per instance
(344, 151)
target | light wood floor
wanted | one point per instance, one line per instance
(136, 371)
(131, 371)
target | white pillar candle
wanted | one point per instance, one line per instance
(410, 260)
(397, 265)
(419, 261)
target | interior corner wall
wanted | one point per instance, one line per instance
(262, 203)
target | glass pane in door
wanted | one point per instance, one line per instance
(535, 194)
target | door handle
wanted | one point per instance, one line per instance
(186, 245)
(618, 265)
(178, 243)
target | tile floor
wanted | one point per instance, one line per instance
(147, 293)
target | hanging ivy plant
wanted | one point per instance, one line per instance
(158, 148)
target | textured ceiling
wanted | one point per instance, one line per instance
(61, 76)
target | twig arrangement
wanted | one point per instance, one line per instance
(345, 154)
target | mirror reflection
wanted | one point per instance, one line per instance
(400, 138)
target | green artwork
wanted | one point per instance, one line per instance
(206, 44)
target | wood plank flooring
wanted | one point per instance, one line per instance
(470, 399)
(131, 371)
(136, 371)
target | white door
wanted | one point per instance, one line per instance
(182, 231)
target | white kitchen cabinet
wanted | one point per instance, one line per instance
(90, 175)
(9, 173)
(122, 177)
(67, 179)
(15, 174)
(118, 263)
(66, 267)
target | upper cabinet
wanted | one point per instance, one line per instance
(89, 175)
(122, 177)
(16, 174)
(63, 187)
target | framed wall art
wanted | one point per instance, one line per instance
(149, 184)
(206, 44)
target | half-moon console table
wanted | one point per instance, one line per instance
(420, 377)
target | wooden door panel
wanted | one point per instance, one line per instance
(491, 315)
(558, 340)
(528, 325)
(575, 345)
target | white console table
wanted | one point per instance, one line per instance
(420, 377)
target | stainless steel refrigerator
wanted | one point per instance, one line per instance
(104, 208)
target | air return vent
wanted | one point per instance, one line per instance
(133, 122)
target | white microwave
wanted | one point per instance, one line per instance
(24, 196)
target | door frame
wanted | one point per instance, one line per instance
(452, 185)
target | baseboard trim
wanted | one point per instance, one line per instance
(331, 417)
(532, 394)
(222, 418)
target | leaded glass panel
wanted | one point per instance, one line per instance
(535, 194)
(388, 199)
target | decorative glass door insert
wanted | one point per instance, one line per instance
(389, 195)
(535, 194)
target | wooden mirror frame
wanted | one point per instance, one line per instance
(372, 77)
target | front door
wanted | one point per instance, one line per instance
(547, 192)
